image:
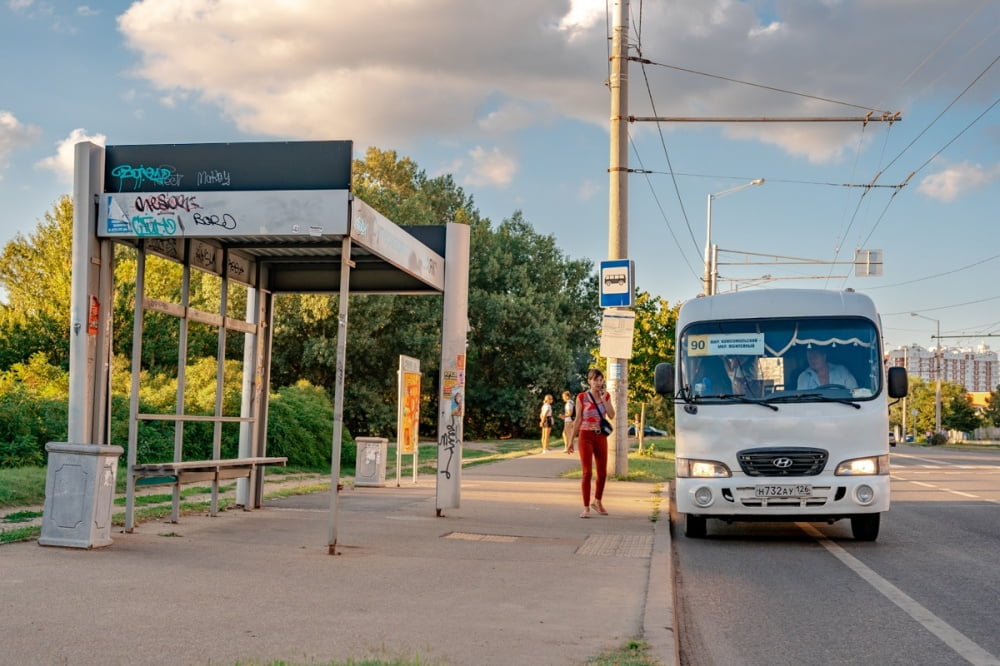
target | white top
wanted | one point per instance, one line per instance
(808, 379)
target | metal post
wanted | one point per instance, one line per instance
(617, 374)
(937, 389)
(937, 371)
(338, 393)
(711, 255)
(708, 249)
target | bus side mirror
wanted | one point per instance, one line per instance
(663, 379)
(897, 382)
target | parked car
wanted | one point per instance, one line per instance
(892, 438)
(647, 431)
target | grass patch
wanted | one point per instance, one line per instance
(634, 653)
(479, 453)
(654, 465)
(22, 486)
(299, 490)
(146, 500)
(163, 511)
(20, 534)
(349, 662)
(21, 516)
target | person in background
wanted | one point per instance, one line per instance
(569, 415)
(820, 373)
(591, 405)
(546, 421)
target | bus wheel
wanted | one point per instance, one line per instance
(694, 527)
(865, 526)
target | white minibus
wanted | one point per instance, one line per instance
(782, 408)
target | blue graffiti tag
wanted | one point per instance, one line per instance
(164, 176)
(147, 225)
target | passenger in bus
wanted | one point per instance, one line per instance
(821, 373)
(709, 376)
(742, 376)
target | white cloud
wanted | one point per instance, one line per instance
(490, 167)
(389, 73)
(510, 118)
(85, 10)
(583, 16)
(13, 135)
(19, 5)
(62, 162)
(589, 189)
(958, 179)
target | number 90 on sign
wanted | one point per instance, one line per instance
(697, 345)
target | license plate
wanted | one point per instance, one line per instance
(798, 490)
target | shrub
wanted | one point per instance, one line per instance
(300, 426)
(27, 424)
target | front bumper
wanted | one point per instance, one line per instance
(736, 498)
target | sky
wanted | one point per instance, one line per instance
(511, 99)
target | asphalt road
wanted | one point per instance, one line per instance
(925, 593)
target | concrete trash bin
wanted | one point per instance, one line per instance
(369, 469)
(79, 495)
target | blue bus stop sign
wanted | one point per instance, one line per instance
(617, 283)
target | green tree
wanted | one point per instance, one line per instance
(534, 318)
(991, 415)
(35, 279)
(961, 415)
(532, 311)
(955, 407)
(653, 343)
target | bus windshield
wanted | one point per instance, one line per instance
(781, 360)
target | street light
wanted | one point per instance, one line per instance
(709, 262)
(937, 371)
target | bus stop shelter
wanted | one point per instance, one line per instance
(275, 217)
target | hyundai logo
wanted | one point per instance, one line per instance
(782, 463)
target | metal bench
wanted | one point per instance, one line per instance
(193, 471)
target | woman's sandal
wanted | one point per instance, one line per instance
(586, 513)
(598, 507)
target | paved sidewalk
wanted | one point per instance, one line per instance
(513, 576)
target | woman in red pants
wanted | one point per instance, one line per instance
(591, 405)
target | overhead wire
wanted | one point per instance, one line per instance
(937, 275)
(663, 213)
(898, 86)
(646, 61)
(941, 45)
(866, 187)
(666, 152)
(943, 111)
(885, 209)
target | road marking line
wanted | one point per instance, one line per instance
(964, 646)
(929, 460)
(960, 493)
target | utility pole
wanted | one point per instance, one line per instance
(618, 217)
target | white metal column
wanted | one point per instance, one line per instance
(338, 394)
(454, 334)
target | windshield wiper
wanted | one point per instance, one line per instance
(814, 396)
(741, 398)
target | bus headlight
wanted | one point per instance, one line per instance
(701, 469)
(864, 466)
(864, 494)
(703, 496)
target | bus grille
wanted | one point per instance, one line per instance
(782, 461)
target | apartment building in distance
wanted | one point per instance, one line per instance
(976, 369)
